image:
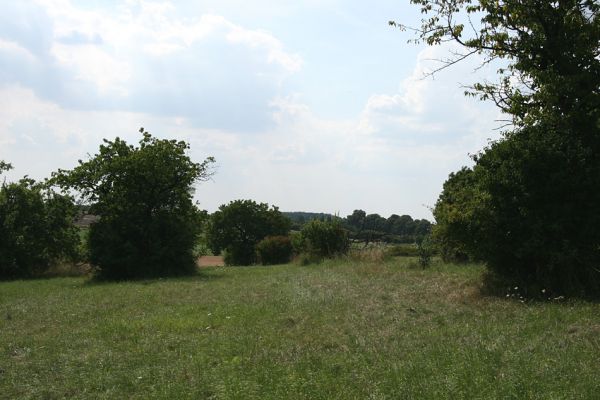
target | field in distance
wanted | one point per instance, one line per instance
(339, 329)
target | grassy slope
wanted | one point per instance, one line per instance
(327, 331)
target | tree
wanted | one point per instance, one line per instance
(322, 239)
(143, 195)
(551, 49)
(237, 228)
(36, 228)
(455, 213)
(356, 221)
(530, 207)
(274, 250)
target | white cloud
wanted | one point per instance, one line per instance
(220, 86)
(144, 57)
(16, 49)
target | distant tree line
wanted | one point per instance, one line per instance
(371, 227)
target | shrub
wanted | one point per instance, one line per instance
(274, 250)
(530, 209)
(36, 229)
(237, 228)
(425, 251)
(148, 222)
(323, 239)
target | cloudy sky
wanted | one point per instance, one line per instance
(313, 105)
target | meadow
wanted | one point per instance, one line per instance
(341, 329)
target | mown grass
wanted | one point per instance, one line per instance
(340, 329)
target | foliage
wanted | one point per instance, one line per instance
(425, 251)
(454, 213)
(323, 239)
(551, 48)
(238, 226)
(143, 195)
(530, 206)
(274, 250)
(36, 228)
(299, 218)
(395, 229)
(370, 228)
(531, 209)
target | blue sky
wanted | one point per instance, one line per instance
(313, 105)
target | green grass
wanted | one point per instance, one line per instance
(342, 330)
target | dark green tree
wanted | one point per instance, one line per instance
(550, 51)
(143, 195)
(36, 228)
(530, 207)
(456, 213)
(323, 239)
(274, 250)
(239, 226)
(356, 221)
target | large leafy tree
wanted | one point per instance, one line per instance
(239, 226)
(549, 51)
(143, 195)
(530, 207)
(36, 227)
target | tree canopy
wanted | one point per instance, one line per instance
(530, 206)
(143, 195)
(36, 227)
(551, 47)
(239, 226)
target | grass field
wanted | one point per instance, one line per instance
(341, 329)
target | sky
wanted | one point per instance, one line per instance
(313, 105)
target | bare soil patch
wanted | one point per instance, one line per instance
(211, 261)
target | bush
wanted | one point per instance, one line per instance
(425, 251)
(530, 209)
(237, 227)
(322, 239)
(274, 250)
(148, 222)
(36, 229)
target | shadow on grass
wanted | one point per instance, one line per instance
(495, 286)
(200, 275)
(61, 270)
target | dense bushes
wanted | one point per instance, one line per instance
(530, 209)
(322, 239)
(36, 229)
(237, 227)
(143, 195)
(274, 250)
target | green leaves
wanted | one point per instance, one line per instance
(529, 207)
(36, 228)
(551, 48)
(238, 227)
(143, 195)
